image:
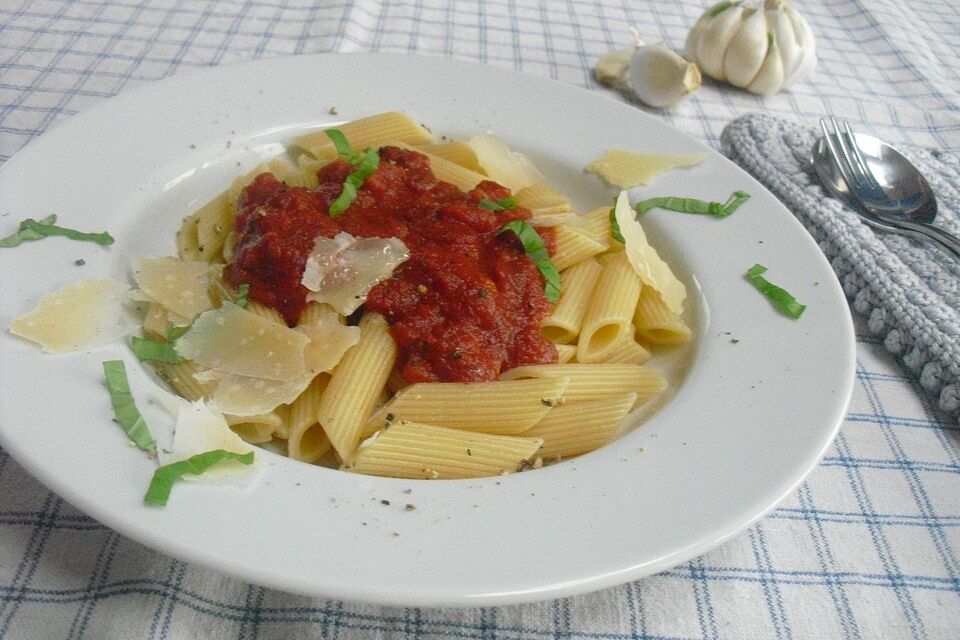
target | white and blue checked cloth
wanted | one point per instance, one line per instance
(867, 547)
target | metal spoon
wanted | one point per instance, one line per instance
(912, 207)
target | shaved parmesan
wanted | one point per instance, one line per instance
(329, 340)
(178, 285)
(653, 271)
(340, 271)
(234, 340)
(78, 316)
(509, 168)
(199, 429)
(245, 396)
(626, 169)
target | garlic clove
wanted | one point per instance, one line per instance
(806, 42)
(659, 77)
(791, 53)
(769, 78)
(713, 43)
(609, 69)
(747, 49)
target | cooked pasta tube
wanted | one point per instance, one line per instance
(313, 444)
(543, 201)
(573, 245)
(577, 428)
(254, 429)
(577, 283)
(411, 450)
(593, 381)
(656, 323)
(214, 221)
(628, 351)
(448, 171)
(456, 151)
(565, 352)
(610, 311)
(157, 320)
(596, 224)
(373, 132)
(183, 378)
(353, 389)
(264, 311)
(505, 408)
(186, 239)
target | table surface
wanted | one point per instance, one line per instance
(867, 547)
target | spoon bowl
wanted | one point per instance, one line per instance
(912, 199)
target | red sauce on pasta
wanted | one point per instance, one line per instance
(465, 306)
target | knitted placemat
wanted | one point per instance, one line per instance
(908, 290)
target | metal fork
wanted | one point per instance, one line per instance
(870, 199)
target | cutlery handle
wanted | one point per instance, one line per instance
(947, 241)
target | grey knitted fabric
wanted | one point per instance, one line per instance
(908, 291)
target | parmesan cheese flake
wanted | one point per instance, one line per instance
(78, 316)
(270, 350)
(340, 271)
(653, 271)
(627, 169)
(179, 285)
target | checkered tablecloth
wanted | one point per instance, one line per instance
(867, 547)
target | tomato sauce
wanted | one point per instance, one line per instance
(465, 306)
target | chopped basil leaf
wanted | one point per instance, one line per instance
(533, 245)
(780, 298)
(366, 163)
(31, 229)
(498, 205)
(128, 417)
(340, 142)
(693, 205)
(243, 295)
(148, 350)
(615, 226)
(166, 476)
(175, 332)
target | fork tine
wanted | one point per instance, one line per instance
(847, 155)
(861, 162)
(839, 157)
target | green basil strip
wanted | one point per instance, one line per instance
(126, 412)
(242, 296)
(148, 350)
(498, 205)
(25, 233)
(366, 163)
(537, 250)
(166, 476)
(693, 205)
(615, 232)
(31, 229)
(780, 298)
(340, 142)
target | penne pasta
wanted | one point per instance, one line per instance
(656, 323)
(214, 221)
(543, 201)
(313, 443)
(411, 450)
(353, 389)
(594, 381)
(610, 311)
(505, 408)
(596, 224)
(455, 151)
(373, 132)
(563, 324)
(573, 245)
(565, 353)
(628, 351)
(574, 429)
(254, 429)
(183, 378)
(448, 171)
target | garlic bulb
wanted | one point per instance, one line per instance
(762, 49)
(653, 74)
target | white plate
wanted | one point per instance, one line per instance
(762, 400)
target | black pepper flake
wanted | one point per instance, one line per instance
(469, 453)
(407, 491)
(456, 355)
(80, 262)
(385, 502)
(734, 340)
(410, 507)
(332, 111)
(193, 146)
(547, 402)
